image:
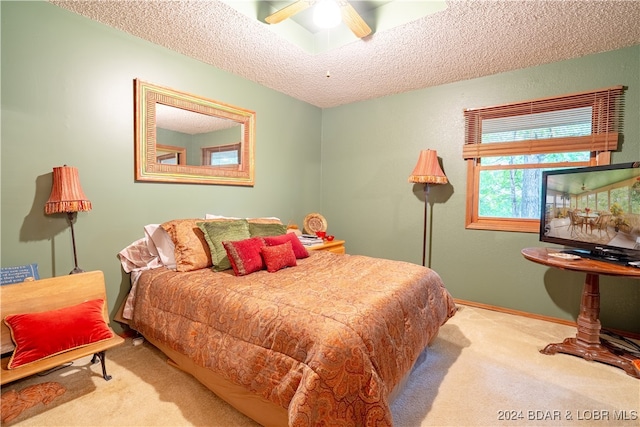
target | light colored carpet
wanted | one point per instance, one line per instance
(484, 369)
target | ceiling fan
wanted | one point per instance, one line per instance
(349, 15)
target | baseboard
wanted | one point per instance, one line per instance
(627, 334)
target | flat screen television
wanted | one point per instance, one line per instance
(594, 211)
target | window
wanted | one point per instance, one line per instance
(507, 147)
(222, 155)
(171, 155)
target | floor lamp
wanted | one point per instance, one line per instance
(67, 197)
(427, 172)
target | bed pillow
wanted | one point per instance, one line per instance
(216, 232)
(137, 256)
(266, 229)
(298, 248)
(191, 248)
(214, 216)
(278, 257)
(245, 256)
(265, 220)
(262, 226)
(45, 334)
(160, 240)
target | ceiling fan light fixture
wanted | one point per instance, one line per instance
(327, 14)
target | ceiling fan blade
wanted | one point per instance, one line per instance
(353, 20)
(288, 11)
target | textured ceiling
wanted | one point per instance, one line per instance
(468, 39)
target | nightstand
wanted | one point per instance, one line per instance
(335, 246)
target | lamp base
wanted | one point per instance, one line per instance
(424, 228)
(72, 216)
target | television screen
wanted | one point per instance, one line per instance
(595, 209)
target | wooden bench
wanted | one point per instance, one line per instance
(52, 294)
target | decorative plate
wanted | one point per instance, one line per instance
(314, 222)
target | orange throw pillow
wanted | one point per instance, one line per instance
(45, 334)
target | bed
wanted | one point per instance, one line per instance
(326, 341)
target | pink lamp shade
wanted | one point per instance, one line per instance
(427, 170)
(66, 192)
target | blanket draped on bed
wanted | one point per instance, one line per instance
(328, 339)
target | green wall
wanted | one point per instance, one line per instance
(370, 148)
(67, 98)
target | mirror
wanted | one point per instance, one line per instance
(185, 138)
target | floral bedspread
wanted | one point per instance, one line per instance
(328, 339)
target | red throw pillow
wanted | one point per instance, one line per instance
(245, 255)
(278, 257)
(298, 248)
(45, 334)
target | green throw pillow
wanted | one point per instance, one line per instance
(216, 232)
(262, 230)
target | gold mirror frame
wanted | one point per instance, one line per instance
(147, 168)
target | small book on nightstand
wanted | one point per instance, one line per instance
(310, 240)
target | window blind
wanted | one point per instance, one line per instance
(595, 114)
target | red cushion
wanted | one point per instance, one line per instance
(245, 255)
(298, 248)
(278, 257)
(45, 334)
